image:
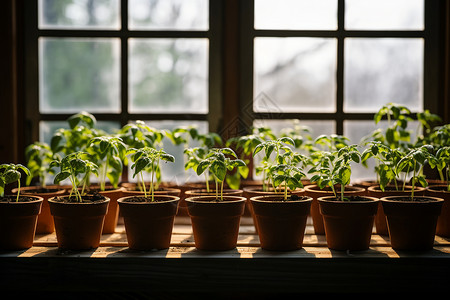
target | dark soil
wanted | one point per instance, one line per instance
(144, 199)
(290, 198)
(439, 188)
(355, 198)
(88, 198)
(13, 198)
(415, 199)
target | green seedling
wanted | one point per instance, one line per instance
(218, 162)
(441, 161)
(10, 173)
(109, 153)
(287, 173)
(77, 167)
(139, 135)
(272, 150)
(39, 157)
(387, 159)
(334, 168)
(147, 159)
(414, 162)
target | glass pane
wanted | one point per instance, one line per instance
(168, 14)
(384, 14)
(79, 74)
(294, 75)
(168, 75)
(296, 14)
(79, 14)
(382, 70)
(174, 172)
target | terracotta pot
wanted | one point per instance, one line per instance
(348, 224)
(78, 226)
(149, 225)
(45, 222)
(315, 192)
(381, 227)
(412, 224)
(443, 222)
(18, 223)
(255, 191)
(281, 224)
(215, 224)
(111, 217)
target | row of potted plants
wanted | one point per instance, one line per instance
(296, 174)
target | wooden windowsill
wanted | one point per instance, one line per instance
(246, 269)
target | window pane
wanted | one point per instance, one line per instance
(79, 74)
(168, 75)
(296, 14)
(383, 70)
(79, 14)
(168, 14)
(174, 172)
(384, 14)
(294, 75)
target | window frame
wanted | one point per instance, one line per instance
(32, 34)
(432, 62)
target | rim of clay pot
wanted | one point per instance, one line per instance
(258, 189)
(394, 199)
(206, 199)
(348, 189)
(376, 188)
(201, 192)
(52, 200)
(169, 199)
(29, 190)
(326, 199)
(37, 199)
(439, 188)
(266, 199)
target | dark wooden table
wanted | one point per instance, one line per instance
(247, 270)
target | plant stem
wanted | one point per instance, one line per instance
(18, 190)
(221, 191)
(143, 185)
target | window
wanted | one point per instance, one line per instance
(328, 63)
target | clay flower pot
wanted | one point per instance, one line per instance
(255, 191)
(45, 222)
(215, 224)
(348, 224)
(148, 225)
(412, 224)
(315, 192)
(380, 218)
(18, 222)
(443, 223)
(281, 224)
(78, 225)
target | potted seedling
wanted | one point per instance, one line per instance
(216, 218)
(39, 156)
(391, 180)
(108, 153)
(441, 161)
(321, 156)
(148, 217)
(280, 219)
(139, 135)
(412, 219)
(348, 219)
(78, 217)
(18, 213)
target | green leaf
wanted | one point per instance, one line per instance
(61, 176)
